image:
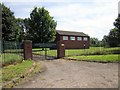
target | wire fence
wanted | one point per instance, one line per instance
(11, 52)
(0, 52)
(92, 51)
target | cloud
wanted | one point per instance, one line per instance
(93, 17)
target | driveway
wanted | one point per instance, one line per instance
(75, 74)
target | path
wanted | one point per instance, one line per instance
(75, 74)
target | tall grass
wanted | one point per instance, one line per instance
(8, 58)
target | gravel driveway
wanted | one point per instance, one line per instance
(75, 74)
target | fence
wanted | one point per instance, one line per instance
(0, 52)
(11, 52)
(92, 51)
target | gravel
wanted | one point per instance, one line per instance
(75, 74)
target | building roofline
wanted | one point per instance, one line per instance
(74, 33)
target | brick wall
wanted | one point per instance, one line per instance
(73, 44)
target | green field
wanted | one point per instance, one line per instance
(93, 53)
(12, 71)
(13, 50)
(42, 52)
(106, 58)
(8, 58)
(74, 52)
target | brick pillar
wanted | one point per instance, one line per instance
(27, 49)
(60, 50)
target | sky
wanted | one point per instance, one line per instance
(93, 17)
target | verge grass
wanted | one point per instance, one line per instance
(12, 71)
(104, 58)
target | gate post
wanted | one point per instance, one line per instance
(60, 50)
(27, 49)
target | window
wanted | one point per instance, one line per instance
(79, 38)
(72, 38)
(85, 38)
(65, 37)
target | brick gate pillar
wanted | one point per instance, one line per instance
(60, 50)
(27, 49)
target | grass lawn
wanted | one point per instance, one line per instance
(108, 58)
(12, 71)
(91, 51)
(9, 58)
(14, 50)
(42, 52)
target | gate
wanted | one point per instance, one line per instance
(44, 51)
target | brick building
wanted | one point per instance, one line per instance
(73, 40)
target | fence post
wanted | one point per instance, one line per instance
(45, 53)
(27, 49)
(60, 50)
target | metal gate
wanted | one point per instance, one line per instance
(44, 51)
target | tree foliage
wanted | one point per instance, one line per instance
(41, 26)
(117, 22)
(10, 30)
(113, 38)
(23, 27)
(94, 42)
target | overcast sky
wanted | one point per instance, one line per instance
(93, 17)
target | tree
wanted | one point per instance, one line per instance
(10, 30)
(23, 27)
(117, 23)
(113, 38)
(117, 29)
(41, 26)
(95, 42)
(105, 41)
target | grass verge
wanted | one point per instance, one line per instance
(13, 74)
(98, 58)
(12, 71)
